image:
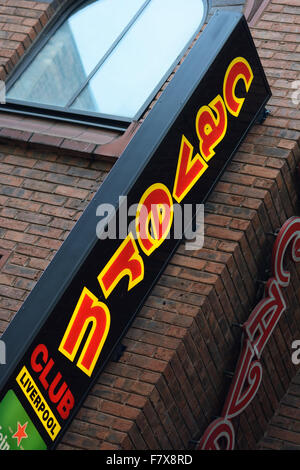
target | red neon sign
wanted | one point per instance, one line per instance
(257, 330)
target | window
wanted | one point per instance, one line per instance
(107, 58)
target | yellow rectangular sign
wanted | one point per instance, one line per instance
(38, 403)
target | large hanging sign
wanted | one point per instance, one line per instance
(74, 319)
(220, 434)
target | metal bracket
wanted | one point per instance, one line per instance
(261, 281)
(228, 373)
(237, 325)
(274, 234)
(263, 116)
(118, 353)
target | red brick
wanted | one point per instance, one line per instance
(71, 191)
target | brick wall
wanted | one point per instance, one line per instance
(41, 196)
(20, 23)
(170, 382)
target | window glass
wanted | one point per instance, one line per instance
(110, 56)
(73, 51)
(142, 58)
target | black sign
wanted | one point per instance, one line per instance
(74, 319)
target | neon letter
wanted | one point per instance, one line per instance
(211, 128)
(88, 310)
(238, 69)
(154, 217)
(125, 262)
(189, 170)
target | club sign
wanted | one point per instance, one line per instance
(74, 319)
(257, 330)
